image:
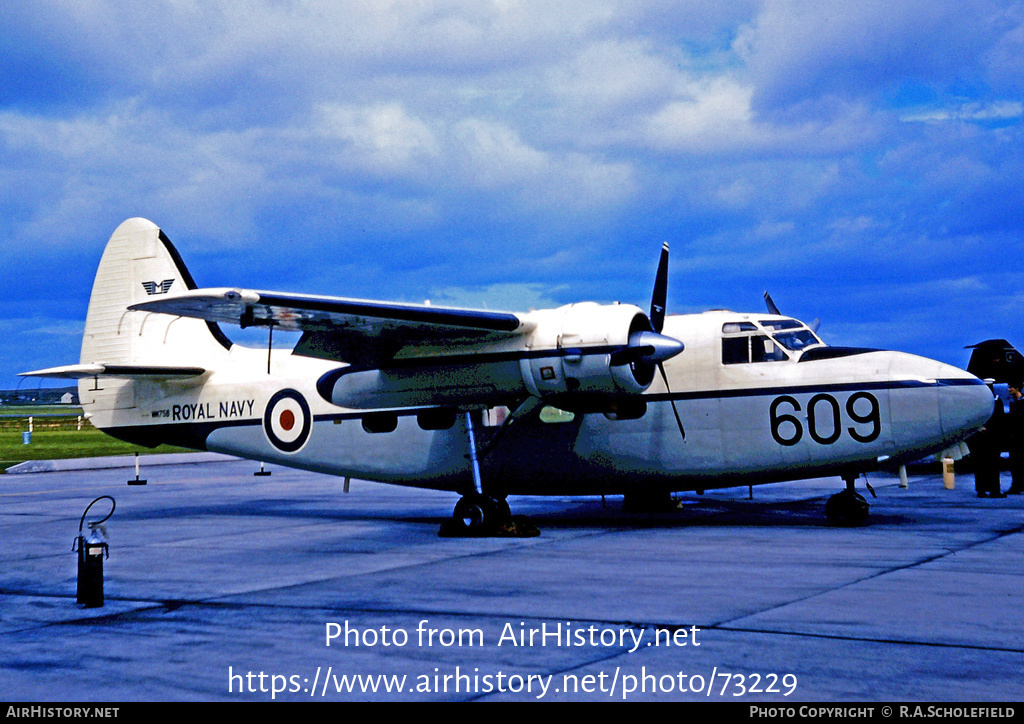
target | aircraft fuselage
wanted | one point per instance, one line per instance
(774, 414)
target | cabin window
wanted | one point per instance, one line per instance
(495, 416)
(735, 350)
(734, 327)
(380, 422)
(441, 419)
(554, 415)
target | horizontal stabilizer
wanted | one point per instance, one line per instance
(85, 371)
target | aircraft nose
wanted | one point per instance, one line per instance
(965, 402)
(938, 402)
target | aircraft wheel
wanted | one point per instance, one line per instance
(502, 511)
(473, 513)
(847, 509)
(477, 515)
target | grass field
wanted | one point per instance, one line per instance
(56, 438)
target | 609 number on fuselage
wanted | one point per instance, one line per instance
(826, 422)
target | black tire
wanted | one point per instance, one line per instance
(472, 512)
(847, 509)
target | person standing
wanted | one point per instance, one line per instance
(985, 454)
(1015, 437)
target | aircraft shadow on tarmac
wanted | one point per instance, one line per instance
(546, 514)
(701, 513)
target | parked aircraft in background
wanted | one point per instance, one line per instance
(996, 360)
(584, 399)
(998, 363)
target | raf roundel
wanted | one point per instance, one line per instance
(287, 421)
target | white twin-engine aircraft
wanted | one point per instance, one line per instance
(584, 399)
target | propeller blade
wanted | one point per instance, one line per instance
(772, 309)
(672, 402)
(658, 299)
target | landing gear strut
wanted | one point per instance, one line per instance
(478, 515)
(848, 508)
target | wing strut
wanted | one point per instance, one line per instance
(474, 461)
(527, 407)
(270, 343)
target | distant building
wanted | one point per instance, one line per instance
(43, 396)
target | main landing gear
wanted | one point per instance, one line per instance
(480, 516)
(477, 515)
(848, 508)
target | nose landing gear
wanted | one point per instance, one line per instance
(848, 508)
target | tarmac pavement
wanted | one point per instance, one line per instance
(222, 586)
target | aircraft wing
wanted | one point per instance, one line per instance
(338, 328)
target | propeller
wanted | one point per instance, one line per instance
(657, 304)
(648, 349)
(772, 309)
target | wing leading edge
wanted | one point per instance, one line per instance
(343, 329)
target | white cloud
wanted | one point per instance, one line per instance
(715, 115)
(493, 155)
(384, 138)
(614, 76)
(497, 297)
(1001, 110)
(795, 50)
(127, 162)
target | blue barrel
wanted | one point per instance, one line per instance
(26, 438)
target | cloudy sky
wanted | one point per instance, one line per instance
(861, 160)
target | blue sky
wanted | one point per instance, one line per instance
(863, 161)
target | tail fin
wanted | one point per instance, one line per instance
(996, 359)
(138, 263)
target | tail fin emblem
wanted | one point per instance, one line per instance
(158, 288)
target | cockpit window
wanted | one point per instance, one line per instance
(781, 324)
(751, 348)
(796, 341)
(764, 349)
(741, 347)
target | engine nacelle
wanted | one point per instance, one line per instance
(586, 351)
(582, 339)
